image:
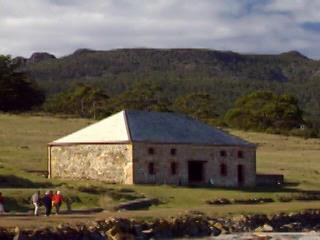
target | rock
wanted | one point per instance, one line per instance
(291, 227)
(264, 228)
(254, 221)
(20, 236)
(162, 229)
(219, 201)
(116, 234)
(148, 233)
(259, 236)
(39, 57)
(253, 201)
(215, 231)
(5, 235)
(217, 227)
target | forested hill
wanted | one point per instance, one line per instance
(225, 75)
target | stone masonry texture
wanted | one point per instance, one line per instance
(209, 155)
(107, 162)
(128, 164)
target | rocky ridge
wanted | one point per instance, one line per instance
(192, 225)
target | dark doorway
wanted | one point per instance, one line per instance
(195, 170)
(240, 175)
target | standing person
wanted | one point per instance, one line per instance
(57, 201)
(36, 202)
(1, 204)
(47, 202)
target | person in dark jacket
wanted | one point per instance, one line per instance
(47, 202)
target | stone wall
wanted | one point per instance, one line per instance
(209, 155)
(108, 162)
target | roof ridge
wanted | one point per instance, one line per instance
(126, 122)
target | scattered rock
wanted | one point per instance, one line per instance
(264, 228)
(291, 227)
(219, 201)
(192, 225)
(253, 201)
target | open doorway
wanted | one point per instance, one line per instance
(240, 175)
(196, 172)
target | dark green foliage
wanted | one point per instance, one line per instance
(82, 100)
(262, 110)
(224, 75)
(141, 96)
(17, 93)
(199, 105)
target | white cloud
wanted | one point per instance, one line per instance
(61, 26)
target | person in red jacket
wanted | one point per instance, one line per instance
(57, 199)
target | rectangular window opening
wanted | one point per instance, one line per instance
(223, 169)
(151, 168)
(173, 168)
(223, 153)
(151, 150)
(173, 151)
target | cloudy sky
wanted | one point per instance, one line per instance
(255, 26)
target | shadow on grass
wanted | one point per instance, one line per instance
(122, 194)
(17, 205)
(12, 181)
(287, 187)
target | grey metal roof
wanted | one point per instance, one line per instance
(163, 127)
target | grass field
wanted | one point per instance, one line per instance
(23, 159)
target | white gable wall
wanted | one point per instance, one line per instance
(111, 129)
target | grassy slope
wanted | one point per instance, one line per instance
(23, 142)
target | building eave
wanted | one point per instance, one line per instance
(254, 146)
(87, 143)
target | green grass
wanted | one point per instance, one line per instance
(23, 159)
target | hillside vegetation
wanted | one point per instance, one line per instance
(224, 75)
(23, 162)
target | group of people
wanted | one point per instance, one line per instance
(49, 200)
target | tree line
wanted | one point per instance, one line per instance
(258, 110)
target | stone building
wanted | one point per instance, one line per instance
(153, 148)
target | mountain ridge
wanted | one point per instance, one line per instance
(224, 74)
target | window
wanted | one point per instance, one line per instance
(223, 153)
(173, 151)
(240, 154)
(151, 151)
(223, 169)
(151, 168)
(173, 168)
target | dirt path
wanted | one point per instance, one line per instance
(29, 221)
(87, 216)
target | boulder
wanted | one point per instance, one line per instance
(264, 228)
(291, 227)
(39, 57)
(219, 201)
